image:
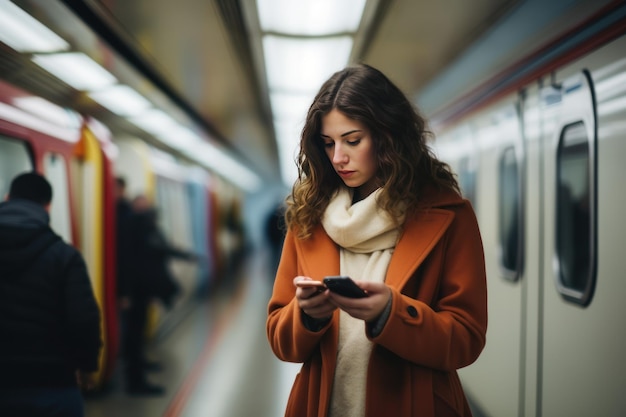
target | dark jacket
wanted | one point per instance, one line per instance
(150, 252)
(49, 319)
(123, 213)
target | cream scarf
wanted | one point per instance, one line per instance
(367, 237)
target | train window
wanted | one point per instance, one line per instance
(575, 205)
(509, 210)
(14, 159)
(56, 173)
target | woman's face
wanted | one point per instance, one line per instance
(349, 146)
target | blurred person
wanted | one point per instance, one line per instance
(372, 202)
(123, 212)
(49, 319)
(275, 233)
(149, 278)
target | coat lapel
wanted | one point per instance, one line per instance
(319, 255)
(419, 237)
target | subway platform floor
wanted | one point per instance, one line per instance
(216, 361)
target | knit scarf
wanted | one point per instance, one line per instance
(367, 236)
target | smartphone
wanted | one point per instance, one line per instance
(345, 286)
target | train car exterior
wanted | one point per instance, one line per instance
(81, 159)
(542, 163)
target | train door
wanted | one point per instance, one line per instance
(494, 380)
(173, 204)
(88, 193)
(532, 243)
(199, 213)
(15, 158)
(576, 306)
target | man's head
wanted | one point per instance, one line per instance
(33, 187)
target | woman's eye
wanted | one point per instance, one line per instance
(354, 142)
(328, 144)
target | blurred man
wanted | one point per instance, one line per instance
(148, 252)
(123, 213)
(49, 319)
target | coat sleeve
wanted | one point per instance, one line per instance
(448, 333)
(82, 323)
(288, 337)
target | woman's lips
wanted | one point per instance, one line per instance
(345, 174)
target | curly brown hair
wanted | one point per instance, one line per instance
(405, 162)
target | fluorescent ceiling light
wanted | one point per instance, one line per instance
(154, 121)
(224, 165)
(121, 100)
(181, 138)
(303, 64)
(286, 106)
(76, 69)
(189, 143)
(310, 17)
(24, 33)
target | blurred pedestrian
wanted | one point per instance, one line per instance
(123, 213)
(150, 278)
(49, 319)
(373, 203)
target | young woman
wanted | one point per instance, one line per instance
(373, 203)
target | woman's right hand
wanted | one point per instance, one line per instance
(312, 301)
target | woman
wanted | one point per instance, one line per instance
(373, 203)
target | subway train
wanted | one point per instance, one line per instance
(81, 159)
(539, 151)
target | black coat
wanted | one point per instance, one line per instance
(148, 255)
(123, 247)
(49, 318)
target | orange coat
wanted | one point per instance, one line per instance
(437, 323)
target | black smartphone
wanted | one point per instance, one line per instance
(344, 285)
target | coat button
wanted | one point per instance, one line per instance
(412, 311)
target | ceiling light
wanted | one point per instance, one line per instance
(181, 138)
(310, 17)
(223, 164)
(286, 106)
(24, 33)
(303, 64)
(154, 121)
(76, 69)
(121, 100)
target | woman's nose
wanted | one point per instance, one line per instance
(340, 156)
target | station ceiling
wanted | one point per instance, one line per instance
(205, 53)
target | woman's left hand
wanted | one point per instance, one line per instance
(366, 308)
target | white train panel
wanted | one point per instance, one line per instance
(556, 335)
